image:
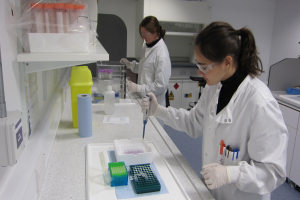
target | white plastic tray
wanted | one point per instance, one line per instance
(96, 165)
(132, 152)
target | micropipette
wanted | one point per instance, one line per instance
(145, 114)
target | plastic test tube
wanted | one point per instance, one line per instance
(69, 17)
(60, 9)
(50, 18)
(38, 17)
(72, 14)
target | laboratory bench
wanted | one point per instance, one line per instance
(66, 172)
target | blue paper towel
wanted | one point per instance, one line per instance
(84, 108)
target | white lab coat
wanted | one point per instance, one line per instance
(154, 70)
(252, 121)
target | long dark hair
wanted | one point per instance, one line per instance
(151, 24)
(220, 39)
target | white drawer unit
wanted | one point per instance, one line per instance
(290, 149)
(292, 121)
(183, 93)
(290, 116)
(295, 166)
(190, 93)
(175, 88)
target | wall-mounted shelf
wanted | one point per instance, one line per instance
(35, 62)
(181, 33)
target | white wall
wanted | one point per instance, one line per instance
(126, 10)
(257, 15)
(274, 23)
(286, 32)
(8, 42)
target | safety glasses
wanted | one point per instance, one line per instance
(204, 68)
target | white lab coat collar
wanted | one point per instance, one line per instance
(225, 115)
(148, 50)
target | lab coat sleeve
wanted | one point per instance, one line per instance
(267, 149)
(162, 74)
(183, 120)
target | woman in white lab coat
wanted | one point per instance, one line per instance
(154, 68)
(244, 135)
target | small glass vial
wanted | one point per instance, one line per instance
(109, 101)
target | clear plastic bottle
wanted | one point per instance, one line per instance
(109, 101)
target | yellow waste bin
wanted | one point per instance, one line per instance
(81, 83)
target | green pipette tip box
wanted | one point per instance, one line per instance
(143, 179)
(118, 173)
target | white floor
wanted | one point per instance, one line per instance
(191, 149)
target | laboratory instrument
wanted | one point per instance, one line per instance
(114, 74)
(145, 114)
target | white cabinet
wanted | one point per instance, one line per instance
(292, 121)
(175, 88)
(183, 93)
(295, 167)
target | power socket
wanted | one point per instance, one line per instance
(11, 138)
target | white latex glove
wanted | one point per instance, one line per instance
(124, 61)
(133, 87)
(215, 175)
(151, 106)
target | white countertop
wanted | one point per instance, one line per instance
(281, 97)
(65, 175)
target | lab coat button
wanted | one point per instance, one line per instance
(225, 120)
(229, 120)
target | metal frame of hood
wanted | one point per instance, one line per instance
(3, 112)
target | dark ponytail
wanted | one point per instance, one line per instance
(248, 53)
(220, 39)
(162, 32)
(151, 24)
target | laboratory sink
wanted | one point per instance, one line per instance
(292, 99)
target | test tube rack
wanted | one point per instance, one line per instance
(143, 179)
(118, 173)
